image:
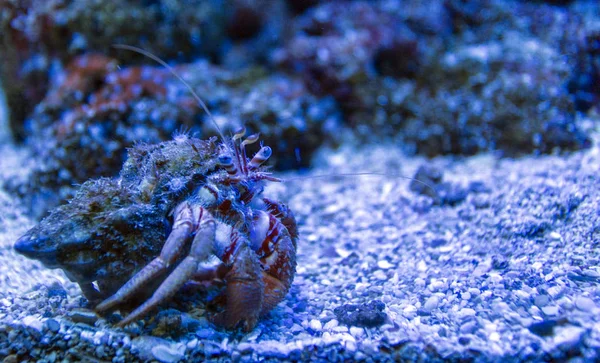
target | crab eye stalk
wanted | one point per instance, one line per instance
(260, 157)
(227, 162)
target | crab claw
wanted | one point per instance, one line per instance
(244, 292)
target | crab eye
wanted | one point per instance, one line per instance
(260, 157)
(225, 160)
(266, 152)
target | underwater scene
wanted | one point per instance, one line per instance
(299, 180)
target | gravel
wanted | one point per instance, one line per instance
(508, 272)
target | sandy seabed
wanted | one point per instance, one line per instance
(508, 270)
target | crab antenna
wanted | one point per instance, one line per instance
(319, 176)
(170, 69)
(239, 133)
(249, 140)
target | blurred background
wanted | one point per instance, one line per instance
(436, 77)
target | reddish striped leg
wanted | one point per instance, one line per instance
(261, 270)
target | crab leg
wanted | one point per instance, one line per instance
(244, 292)
(274, 252)
(202, 247)
(261, 269)
(210, 273)
(186, 221)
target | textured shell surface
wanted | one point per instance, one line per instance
(113, 227)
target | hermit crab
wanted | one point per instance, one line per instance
(131, 242)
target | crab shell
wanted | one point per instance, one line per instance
(113, 227)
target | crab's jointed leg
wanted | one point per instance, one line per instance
(188, 219)
(283, 213)
(278, 257)
(261, 271)
(185, 221)
(200, 250)
(204, 274)
(245, 291)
